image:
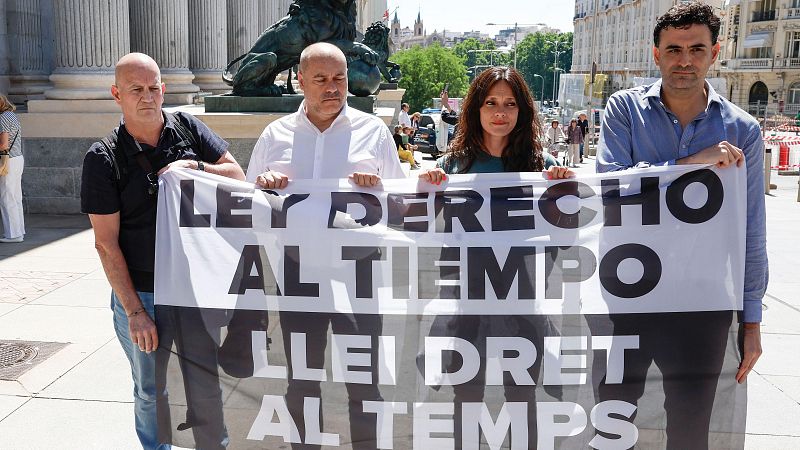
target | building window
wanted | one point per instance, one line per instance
(794, 93)
(793, 44)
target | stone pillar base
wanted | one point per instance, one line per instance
(28, 87)
(81, 86)
(179, 81)
(211, 81)
(73, 106)
(179, 99)
(179, 88)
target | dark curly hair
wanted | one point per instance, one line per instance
(684, 15)
(524, 152)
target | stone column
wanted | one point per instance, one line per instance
(29, 68)
(208, 48)
(271, 12)
(91, 35)
(160, 29)
(4, 64)
(242, 28)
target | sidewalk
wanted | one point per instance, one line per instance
(53, 289)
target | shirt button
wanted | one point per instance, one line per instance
(675, 121)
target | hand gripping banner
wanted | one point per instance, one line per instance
(493, 311)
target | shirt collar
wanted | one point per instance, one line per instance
(654, 91)
(134, 146)
(344, 114)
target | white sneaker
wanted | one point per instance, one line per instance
(12, 240)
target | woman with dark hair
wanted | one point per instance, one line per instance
(497, 131)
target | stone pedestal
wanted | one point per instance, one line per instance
(388, 102)
(86, 51)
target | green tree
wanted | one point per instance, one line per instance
(425, 72)
(536, 56)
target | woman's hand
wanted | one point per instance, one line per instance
(558, 173)
(434, 176)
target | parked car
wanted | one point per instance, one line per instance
(426, 136)
(425, 139)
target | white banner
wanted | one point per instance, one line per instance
(662, 239)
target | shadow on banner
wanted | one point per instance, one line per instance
(502, 311)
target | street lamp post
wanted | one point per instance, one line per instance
(516, 28)
(541, 99)
(555, 75)
(555, 65)
(490, 51)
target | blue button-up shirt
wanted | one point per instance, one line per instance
(638, 130)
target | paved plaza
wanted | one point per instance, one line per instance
(53, 289)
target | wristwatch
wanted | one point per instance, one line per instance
(200, 166)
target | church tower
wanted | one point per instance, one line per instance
(419, 30)
(395, 30)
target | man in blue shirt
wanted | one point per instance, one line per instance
(680, 119)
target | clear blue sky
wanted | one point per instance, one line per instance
(467, 15)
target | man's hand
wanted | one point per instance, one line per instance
(143, 332)
(433, 176)
(179, 164)
(722, 155)
(365, 179)
(751, 350)
(272, 180)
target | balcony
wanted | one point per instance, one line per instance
(793, 13)
(745, 64)
(788, 63)
(763, 16)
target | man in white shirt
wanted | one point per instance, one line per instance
(403, 118)
(326, 139)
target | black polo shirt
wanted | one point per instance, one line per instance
(101, 194)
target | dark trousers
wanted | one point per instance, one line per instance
(315, 326)
(475, 329)
(197, 352)
(688, 349)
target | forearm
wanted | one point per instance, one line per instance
(119, 278)
(756, 269)
(226, 169)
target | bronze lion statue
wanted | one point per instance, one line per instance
(279, 46)
(377, 38)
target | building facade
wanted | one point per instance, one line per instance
(618, 36)
(66, 49)
(762, 62)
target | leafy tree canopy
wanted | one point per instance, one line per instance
(426, 71)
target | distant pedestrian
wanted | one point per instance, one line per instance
(403, 119)
(11, 165)
(574, 141)
(415, 120)
(584, 124)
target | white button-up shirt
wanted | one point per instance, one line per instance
(355, 142)
(403, 119)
